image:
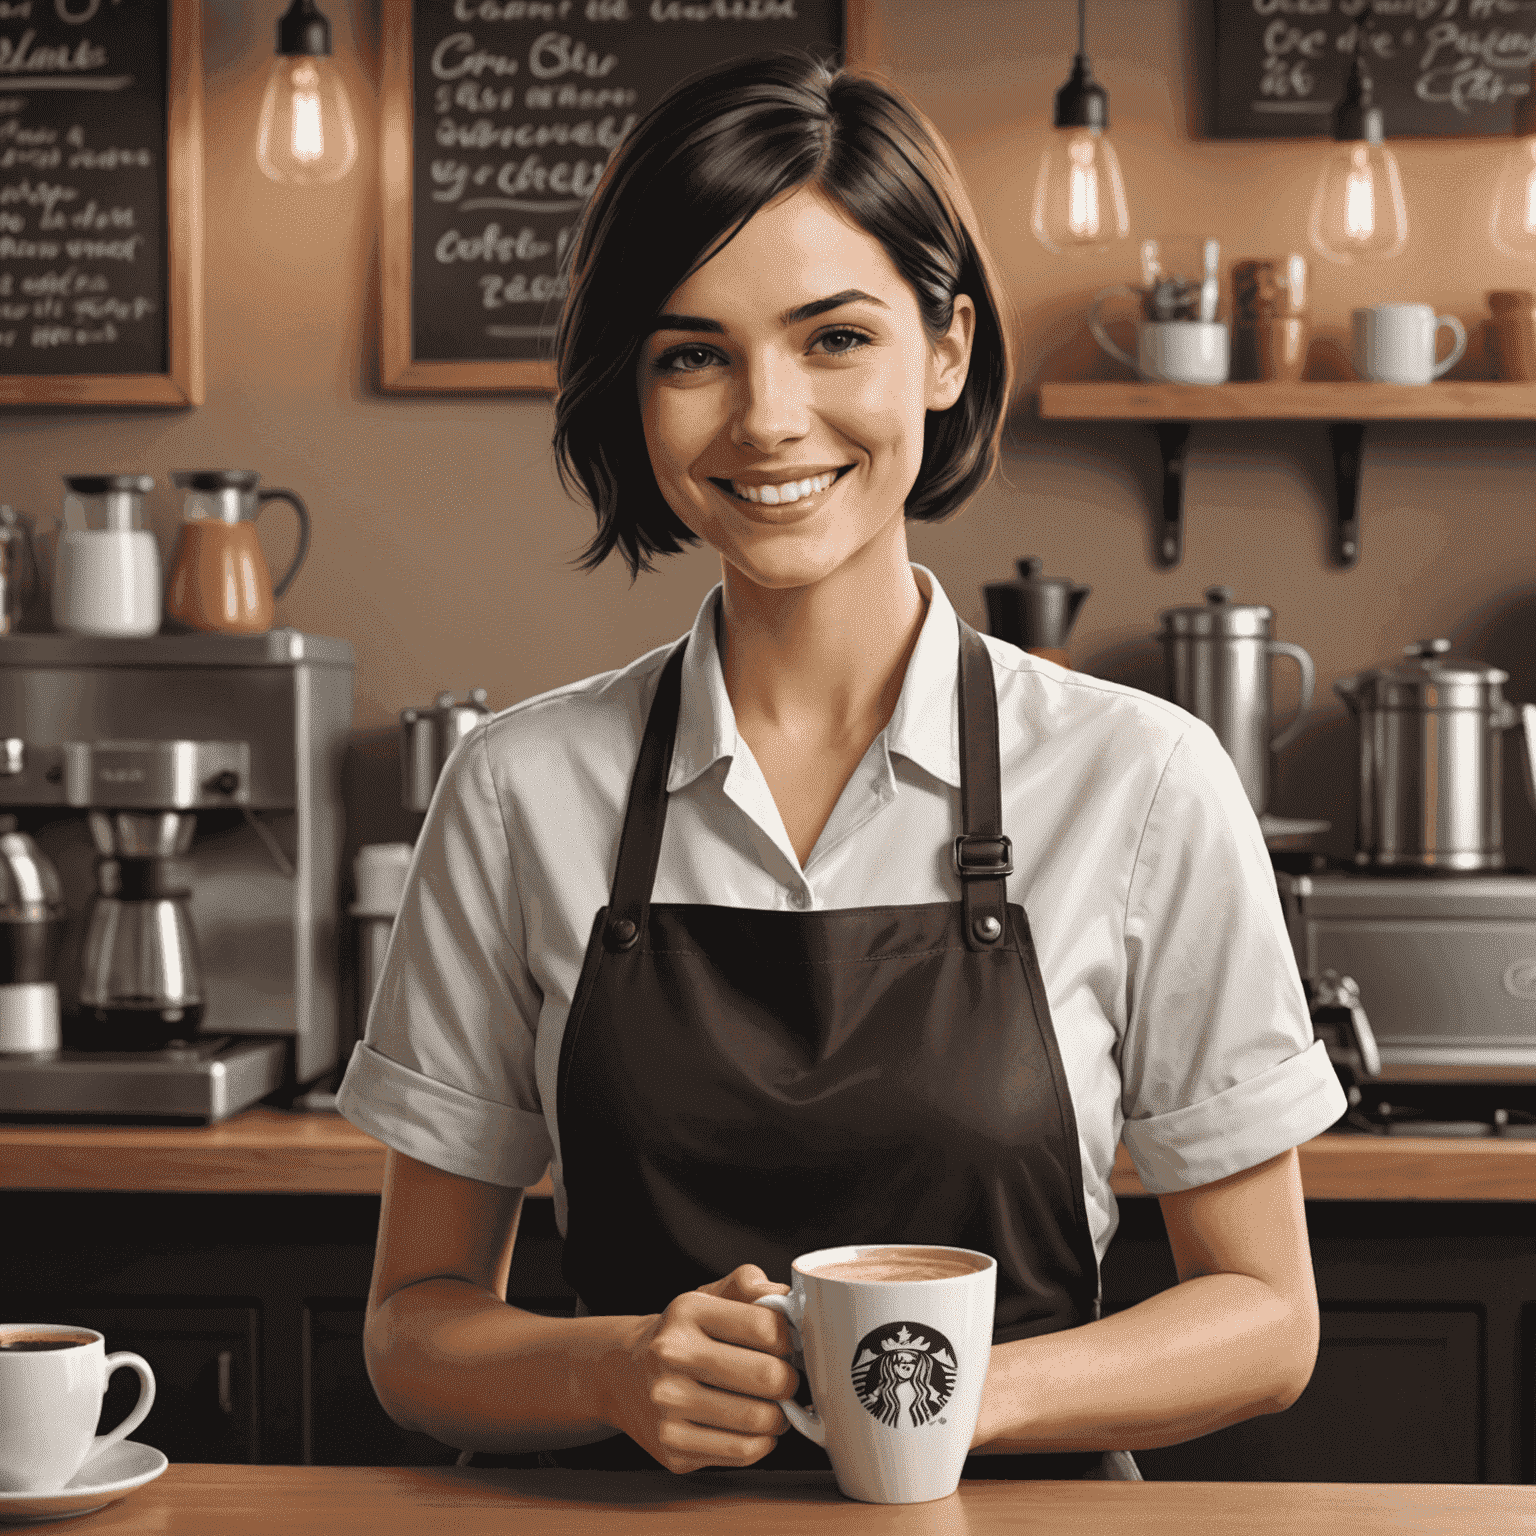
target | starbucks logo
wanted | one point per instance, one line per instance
(904, 1373)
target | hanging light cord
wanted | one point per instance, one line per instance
(1082, 28)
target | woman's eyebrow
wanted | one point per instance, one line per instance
(788, 318)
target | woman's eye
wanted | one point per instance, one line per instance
(841, 341)
(685, 360)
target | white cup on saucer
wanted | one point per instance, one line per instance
(53, 1377)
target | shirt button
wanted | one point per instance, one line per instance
(799, 899)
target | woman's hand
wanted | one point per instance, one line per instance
(697, 1383)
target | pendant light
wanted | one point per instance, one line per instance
(1514, 200)
(1357, 210)
(1079, 193)
(306, 132)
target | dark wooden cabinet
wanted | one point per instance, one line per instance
(250, 1310)
(1426, 1314)
(1395, 1398)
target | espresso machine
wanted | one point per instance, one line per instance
(1430, 922)
(187, 788)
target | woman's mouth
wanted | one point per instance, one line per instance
(800, 494)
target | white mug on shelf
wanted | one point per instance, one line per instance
(1395, 343)
(1168, 351)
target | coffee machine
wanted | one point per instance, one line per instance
(188, 790)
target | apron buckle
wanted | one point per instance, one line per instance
(983, 858)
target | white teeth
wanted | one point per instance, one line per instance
(790, 490)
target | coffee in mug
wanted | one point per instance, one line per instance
(903, 1262)
(53, 1377)
(895, 1339)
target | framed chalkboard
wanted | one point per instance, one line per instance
(1437, 67)
(498, 118)
(101, 202)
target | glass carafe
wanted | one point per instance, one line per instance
(107, 570)
(219, 580)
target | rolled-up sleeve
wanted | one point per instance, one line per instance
(1218, 1066)
(445, 1072)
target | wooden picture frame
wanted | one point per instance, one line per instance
(399, 371)
(183, 384)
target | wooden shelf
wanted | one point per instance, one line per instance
(1344, 406)
(1464, 400)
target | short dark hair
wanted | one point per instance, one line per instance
(689, 175)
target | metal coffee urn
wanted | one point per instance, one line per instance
(1216, 660)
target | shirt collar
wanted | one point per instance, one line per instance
(924, 728)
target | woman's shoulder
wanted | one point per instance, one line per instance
(1037, 695)
(590, 721)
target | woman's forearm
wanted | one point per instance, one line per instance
(1210, 1352)
(453, 1361)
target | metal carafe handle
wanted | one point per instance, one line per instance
(1308, 680)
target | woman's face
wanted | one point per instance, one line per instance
(796, 353)
(904, 1365)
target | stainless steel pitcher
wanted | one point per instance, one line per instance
(427, 739)
(1431, 756)
(1216, 660)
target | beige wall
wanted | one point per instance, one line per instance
(442, 538)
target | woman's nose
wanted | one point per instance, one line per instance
(772, 403)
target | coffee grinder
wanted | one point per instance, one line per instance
(187, 788)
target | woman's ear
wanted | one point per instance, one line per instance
(950, 360)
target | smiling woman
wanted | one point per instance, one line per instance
(874, 176)
(834, 922)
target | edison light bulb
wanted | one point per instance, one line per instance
(1357, 211)
(1514, 201)
(1079, 193)
(306, 122)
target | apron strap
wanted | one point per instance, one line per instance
(983, 856)
(646, 815)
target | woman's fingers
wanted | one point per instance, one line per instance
(703, 1378)
(745, 1283)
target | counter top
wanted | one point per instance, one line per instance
(274, 1151)
(318, 1501)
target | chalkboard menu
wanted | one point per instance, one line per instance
(499, 117)
(1437, 66)
(99, 126)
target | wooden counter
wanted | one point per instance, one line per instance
(273, 1151)
(319, 1501)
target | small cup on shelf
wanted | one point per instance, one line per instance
(1513, 333)
(1270, 326)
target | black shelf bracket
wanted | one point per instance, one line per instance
(1344, 441)
(1168, 532)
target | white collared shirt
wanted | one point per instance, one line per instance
(1177, 1007)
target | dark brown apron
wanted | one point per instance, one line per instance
(742, 1086)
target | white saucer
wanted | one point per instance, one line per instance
(117, 1470)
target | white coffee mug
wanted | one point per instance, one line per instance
(50, 1403)
(896, 1365)
(1395, 343)
(1168, 351)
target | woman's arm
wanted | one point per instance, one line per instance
(1236, 1337)
(447, 1356)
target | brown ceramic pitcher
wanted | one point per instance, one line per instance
(219, 580)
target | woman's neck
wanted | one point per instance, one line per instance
(823, 662)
